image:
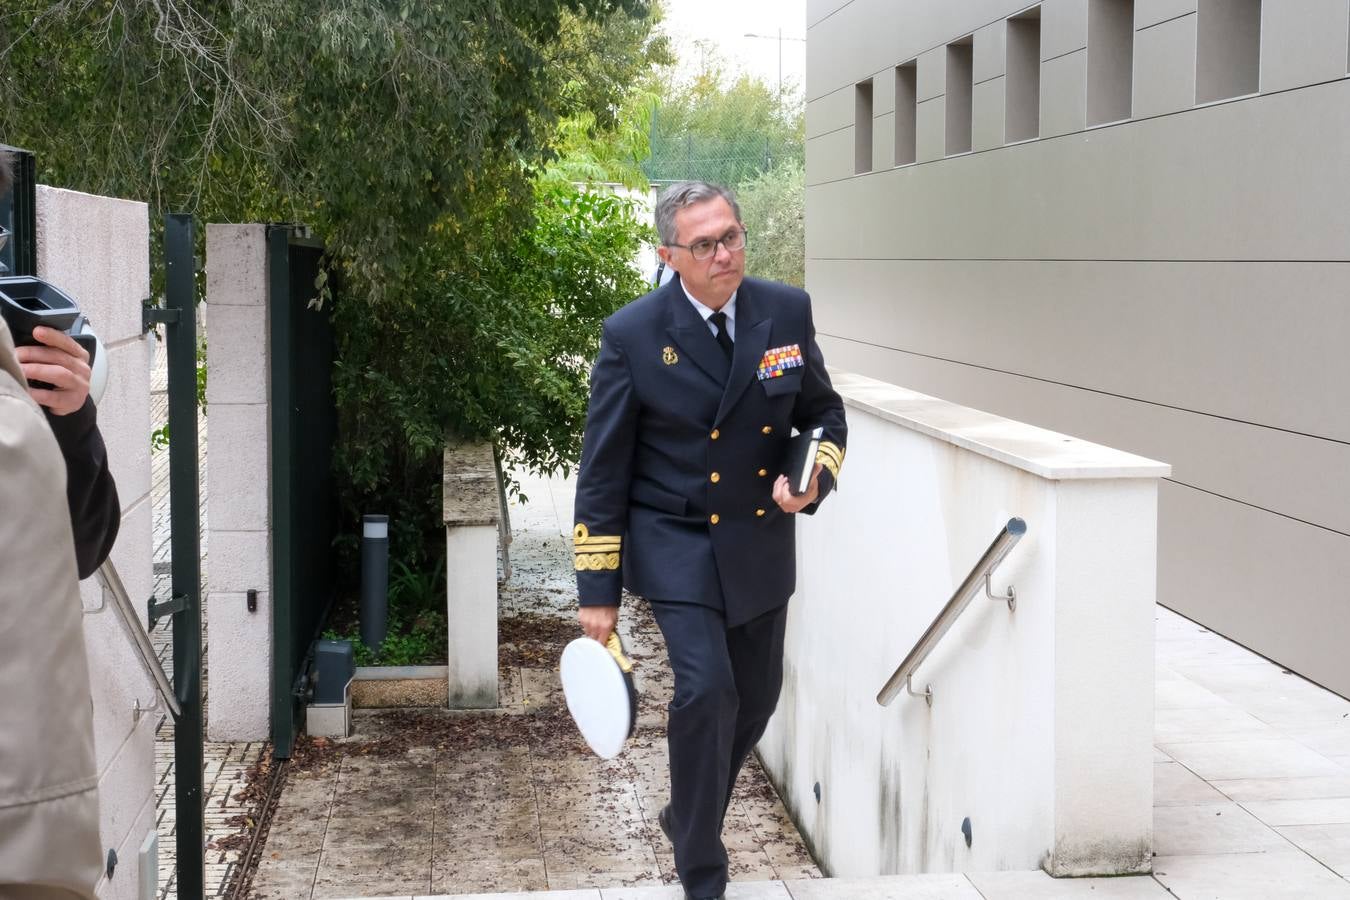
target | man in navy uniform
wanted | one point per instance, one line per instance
(694, 393)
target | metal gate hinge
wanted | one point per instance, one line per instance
(175, 604)
(157, 315)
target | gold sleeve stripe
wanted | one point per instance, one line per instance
(596, 552)
(597, 562)
(584, 541)
(832, 451)
(831, 456)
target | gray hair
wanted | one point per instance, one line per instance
(687, 193)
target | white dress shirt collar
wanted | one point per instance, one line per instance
(729, 308)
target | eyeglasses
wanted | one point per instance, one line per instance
(734, 241)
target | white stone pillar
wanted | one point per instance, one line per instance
(1105, 570)
(472, 516)
(239, 643)
(97, 250)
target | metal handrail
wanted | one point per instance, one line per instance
(1007, 538)
(145, 651)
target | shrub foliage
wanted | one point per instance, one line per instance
(409, 135)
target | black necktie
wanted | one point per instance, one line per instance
(719, 320)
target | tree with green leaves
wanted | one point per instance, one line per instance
(719, 127)
(773, 206)
(409, 136)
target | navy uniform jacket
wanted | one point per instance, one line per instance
(674, 497)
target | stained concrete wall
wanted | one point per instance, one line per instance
(471, 512)
(1041, 726)
(239, 645)
(1172, 284)
(96, 249)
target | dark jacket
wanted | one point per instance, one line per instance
(91, 493)
(674, 497)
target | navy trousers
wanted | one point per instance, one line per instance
(727, 682)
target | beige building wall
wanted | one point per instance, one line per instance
(1174, 282)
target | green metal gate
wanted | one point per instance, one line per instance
(304, 504)
(179, 317)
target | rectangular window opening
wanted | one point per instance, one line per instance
(1227, 50)
(906, 113)
(1023, 86)
(960, 87)
(1110, 60)
(862, 128)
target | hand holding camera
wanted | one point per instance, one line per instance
(57, 349)
(57, 369)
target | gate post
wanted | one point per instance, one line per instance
(471, 510)
(239, 568)
(181, 337)
(274, 510)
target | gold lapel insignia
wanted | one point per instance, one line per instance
(668, 356)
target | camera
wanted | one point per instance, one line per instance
(27, 302)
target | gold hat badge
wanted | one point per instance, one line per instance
(668, 356)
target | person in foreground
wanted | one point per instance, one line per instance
(49, 821)
(694, 393)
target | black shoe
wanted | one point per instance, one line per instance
(663, 819)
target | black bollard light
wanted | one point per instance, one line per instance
(374, 580)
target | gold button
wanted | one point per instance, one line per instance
(715, 434)
(715, 477)
(759, 512)
(763, 472)
(767, 429)
(714, 518)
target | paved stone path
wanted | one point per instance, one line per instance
(509, 813)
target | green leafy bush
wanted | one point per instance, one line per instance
(416, 625)
(409, 137)
(491, 340)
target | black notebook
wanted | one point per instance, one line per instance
(799, 459)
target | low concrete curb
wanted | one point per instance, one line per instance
(389, 687)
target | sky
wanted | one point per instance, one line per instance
(726, 22)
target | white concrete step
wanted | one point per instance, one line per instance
(990, 886)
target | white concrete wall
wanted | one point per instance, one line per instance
(471, 615)
(239, 645)
(97, 250)
(1040, 730)
(1172, 284)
